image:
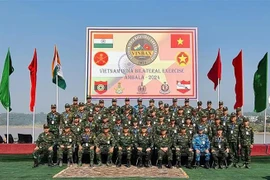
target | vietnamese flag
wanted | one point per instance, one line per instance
(238, 74)
(33, 77)
(215, 72)
(180, 41)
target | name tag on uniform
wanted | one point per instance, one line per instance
(140, 122)
(155, 122)
(118, 133)
(247, 133)
(182, 121)
(203, 142)
(86, 144)
(65, 122)
(128, 122)
(108, 142)
(52, 122)
(205, 129)
(231, 131)
(190, 132)
(219, 146)
(194, 125)
(174, 131)
(169, 120)
(80, 120)
(113, 119)
(224, 123)
(78, 129)
(70, 140)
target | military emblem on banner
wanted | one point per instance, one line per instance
(119, 89)
(101, 58)
(165, 88)
(183, 86)
(182, 59)
(100, 86)
(141, 89)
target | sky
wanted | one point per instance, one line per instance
(228, 25)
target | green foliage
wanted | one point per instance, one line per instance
(21, 119)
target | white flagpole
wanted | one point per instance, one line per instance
(33, 127)
(264, 129)
(7, 125)
(57, 91)
(218, 91)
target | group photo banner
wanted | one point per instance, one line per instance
(142, 62)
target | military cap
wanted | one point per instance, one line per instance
(199, 103)
(89, 97)
(106, 126)
(87, 126)
(127, 99)
(139, 99)
(75, 98)
(186, 100)
(172, 118)
(104, 116)
(112, 108)
(125, 126)
(217, 118)
(160, 102)
(174, 100)
(188, 117)
(97, 105)
(140, 107)
(233, 114)
(200, 128)
(118, 118)
(245, 119)
(166, 105)
(67, 105)
(148, 119)
(182, 128)
(209, 102)
(180, 108)
(114, 100)
(134, 120)
(151, 100)
(151, 111)
(67, 126)
(101, 101)
(220, 102)
(128, 108)
(225, 108)
(45, 126)
(53, 105)
(212, 111)
(161, 115)
(220, 129)
(90, 115)
(238, 109)
(194, 110)
(144, 127)
(163, 129)
(81, 104)
(203, 115)
(76, 116)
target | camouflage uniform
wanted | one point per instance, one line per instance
(53, 121)
(216, 126)
(116, 108)
(187, 108)
(82, 113)
(190, 128)
(137, 107)
(66, 117)
(209, 108)
(151, 106)
(91, 123)
(225, 118)
(103, 109)
(44, 142)
(89, 106)
(87, 143)
(219, 111)
(183, 144)
(74, 107)
(174, 107)
(172, 128)
(246, 140)
(127, 106)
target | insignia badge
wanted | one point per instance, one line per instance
(165, 88)
(119, 89)
(100, 86)
(125, 64)
(141, 89)
(183, 86)
(182, 59)
(142, 49)
(101, 58)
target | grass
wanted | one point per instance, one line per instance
(20, 167)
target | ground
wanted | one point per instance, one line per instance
(20, 167)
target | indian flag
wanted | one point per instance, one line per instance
(103, 41)
(57, 73)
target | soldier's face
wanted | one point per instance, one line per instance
(105, 130)
(67, 130)
(125, 130)
(199, 106)
(89, 100)
(246, 123)
(105, 120)
(112, 111)
(188, 121)
(75, 102)
(239, 112)
(81, 108)
(172, 121)
(46, 130)
(220, 106)
(225, 112)
(114, 103)
(101, 104)
(148, 122)
(161, 106)
(161, 119)
(163, 132)
(174, 102)
(204, 119)
(166, 108)
(53, 109)
(87, 130)
(127, 102)
(97, 108)
(76, 120)
(183, 131)
(90, 118)
(200, 131)
(181, 111)
(219, 132)
(186, 103)
(233, 118)
(144, 130)
(67, 108)
(209, 105)
(217, 121)
(151, 103)
(140, 102)
(135, 124)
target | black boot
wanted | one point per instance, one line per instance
(189, 165)
(109, 161)
(35, 163)
(91, 163)
(178, 164)
(207, 165)
(119, 162)
(222, 164)
(140, 164)
(160, 164)
(128, 163)
(215, 164)
(50, 162)
(197, 164)
(60, 162)
(169, 164)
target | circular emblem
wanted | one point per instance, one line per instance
(142, 49)
(100, 87)
(124, 64)
(101, 58)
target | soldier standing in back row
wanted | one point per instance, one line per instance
(74, 107)
(89, 106)
(53, 121)
(44, 145)
(246, 141)
(66, 117)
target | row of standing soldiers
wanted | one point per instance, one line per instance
(97, 129)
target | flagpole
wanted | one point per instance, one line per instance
(218, 91)
(264, 129)
(57, 92)
(33, 127)
(7, 125)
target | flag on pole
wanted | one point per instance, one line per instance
(238, 74)
(4, 85)
(260, 85)
(33, 77)
(57, 71)
(215, 72)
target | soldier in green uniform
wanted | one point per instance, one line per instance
(91, 123)
(89, 106)
(199, 107)
(115, 106)
(112, 114)
(205, 125)
(153, 116)
(125, 144)
(219, 148)
(225, 118)
(66, 143)
(53, 121)
(87, 145)
(44, 146)
(160, 125)
(117, 128)
(160, 108)
(135, 128)
(127, 117)
(66, 117)
(233, 140)
(216, 126)
(164, 144)
(74, 107)
(82, 113)
(190, 128)
(195, 117)
(167, 114)
(144, 145)
(141, 115)
(103, 109)
(211, 117)
(209, 107)
(105, 121)
(172, 127)
(150, 129)
(246, 142)
(77, 127)
(183, 144)
(105, 143)
(239, 116)
(174, 107)
(219, 111)
(151, 106)
(187, 108)
(126, 106)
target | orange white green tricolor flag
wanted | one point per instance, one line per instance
(103, 40)
(57, 73)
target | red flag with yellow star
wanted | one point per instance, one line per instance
(180, 41)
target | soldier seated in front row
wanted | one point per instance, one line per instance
(105, 143)
(44, 145)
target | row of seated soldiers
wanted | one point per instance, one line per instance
(236, 133)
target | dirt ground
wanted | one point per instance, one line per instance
(116, 172)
